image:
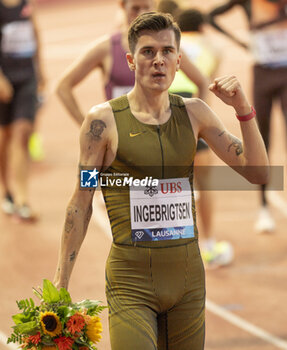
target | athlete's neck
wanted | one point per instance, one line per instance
(150, 107)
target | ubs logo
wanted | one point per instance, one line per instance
(171, 187)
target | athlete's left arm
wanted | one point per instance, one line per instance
(248, 157)
(194, 74)
(38, 54)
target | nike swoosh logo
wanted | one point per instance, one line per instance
(133, 134)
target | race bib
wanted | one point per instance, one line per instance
(270, 47)
(162, 212)
(18, 39)
(118, 91)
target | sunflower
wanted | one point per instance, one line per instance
(94, 328)
(50, 323)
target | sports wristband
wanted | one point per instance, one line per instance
(246, 117)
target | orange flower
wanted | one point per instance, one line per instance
(64, 343)
(76, 323)
(35, 339)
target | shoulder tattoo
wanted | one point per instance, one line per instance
(97, 127)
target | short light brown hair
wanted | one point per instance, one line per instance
(154, 22)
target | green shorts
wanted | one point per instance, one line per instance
(156, 297)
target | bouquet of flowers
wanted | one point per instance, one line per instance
(57, 323)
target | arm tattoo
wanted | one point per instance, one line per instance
(96, 129)
(236, 144)
(72, 256)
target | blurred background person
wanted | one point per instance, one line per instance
(206, 56)
(168, 6)
(267, 21)
(20, 75)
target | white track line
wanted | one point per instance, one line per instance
(246, 326)
(3, 340)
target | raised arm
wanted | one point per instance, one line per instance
(95, 152)
(248, 157)
(94, 57)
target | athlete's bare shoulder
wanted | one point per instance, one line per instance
(98, 138)
(196, 107)
(200, 114)
(99, 122)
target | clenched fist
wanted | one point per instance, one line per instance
(229, 90)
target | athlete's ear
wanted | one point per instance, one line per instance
(178, 61)
(130, 60)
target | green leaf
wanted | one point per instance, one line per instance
(26, 328)
(32, 303)
(65, 296)
(37, 293)
(92, 306)
(65, 312)
(87, 304)
(23, 318)
(21, 304)
(50, 292)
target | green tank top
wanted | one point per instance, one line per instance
(163, 151)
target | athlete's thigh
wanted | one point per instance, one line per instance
(133, 328)
(185, 322)
(185, 325)
(131, 299)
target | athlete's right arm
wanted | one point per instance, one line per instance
(6, 89)
(96, 140)
(94, 57)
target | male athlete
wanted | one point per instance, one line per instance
(154, 274)
(108, 54)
